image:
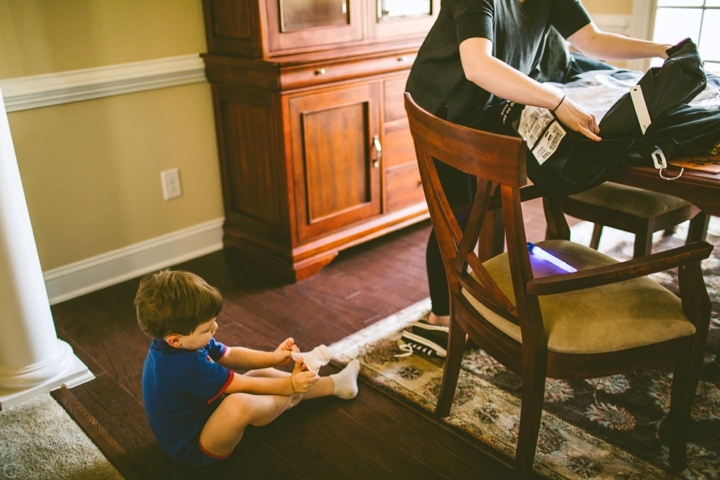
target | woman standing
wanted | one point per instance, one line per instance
(481, 49)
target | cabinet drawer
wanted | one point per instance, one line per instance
(319, 73)
(398, 147)
(394, 99)
(403, 186)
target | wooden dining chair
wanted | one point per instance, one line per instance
(634, 210)
(538, 320)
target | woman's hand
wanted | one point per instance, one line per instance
(302, 380)
(577, 119)
(283, 354)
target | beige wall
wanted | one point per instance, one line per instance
(608, 7)
(91, 169)
(46, 36)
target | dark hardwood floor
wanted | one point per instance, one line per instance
(373, 436)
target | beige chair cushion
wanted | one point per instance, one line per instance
(634, 201)
(610, 318)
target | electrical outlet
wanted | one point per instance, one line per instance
(171, 183)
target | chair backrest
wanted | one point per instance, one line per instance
(498, 164)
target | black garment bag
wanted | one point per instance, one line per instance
(677, 82)
(676, 129)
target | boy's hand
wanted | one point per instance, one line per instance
(282, 354)
(302, 380)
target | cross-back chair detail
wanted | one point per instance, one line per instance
(522, 311)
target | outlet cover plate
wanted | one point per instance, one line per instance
(172, 188)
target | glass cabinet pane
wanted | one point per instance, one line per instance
(302, 14)
(397, 9)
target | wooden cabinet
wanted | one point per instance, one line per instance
(315, 152)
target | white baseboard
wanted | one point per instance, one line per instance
(111, 268)
(36, 91)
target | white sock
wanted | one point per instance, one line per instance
(315, 359)
(346, 381)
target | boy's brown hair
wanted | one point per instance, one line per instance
(175, 302)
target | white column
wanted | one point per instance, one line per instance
(33, 360)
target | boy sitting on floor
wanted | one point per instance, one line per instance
(198, 407)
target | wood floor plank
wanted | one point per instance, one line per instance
(385, 451)
(454, 455)
(253, 459)
(328, 431)
(116, 348)
(124, 419)
(308, 457)
(462, 449)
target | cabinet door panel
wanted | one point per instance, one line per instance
(336, 182)
(301, 15)
(295, 25)
(326, 134)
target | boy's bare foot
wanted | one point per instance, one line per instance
(346, 381)
(439, 320)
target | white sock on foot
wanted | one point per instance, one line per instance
(346, 381)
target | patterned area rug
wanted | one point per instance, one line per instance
(600, 428)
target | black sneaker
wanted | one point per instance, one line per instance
(423, 345)
(435, 333)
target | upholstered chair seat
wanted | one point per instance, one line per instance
(615, 317)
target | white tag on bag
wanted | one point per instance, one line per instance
(641, 110)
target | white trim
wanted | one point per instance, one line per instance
(642, 18)
(35, 91)
(111, 268)
(613, 23)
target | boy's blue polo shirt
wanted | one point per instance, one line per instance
(181, 389)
